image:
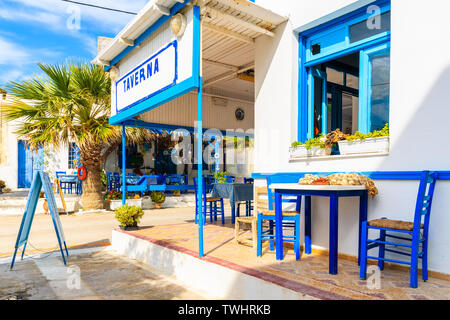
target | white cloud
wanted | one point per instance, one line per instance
(11, 53)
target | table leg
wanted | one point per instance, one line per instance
(278, 226)
(233, 211)
(333, 259)
(307, 224)
(363, 201)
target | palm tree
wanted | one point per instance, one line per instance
(70, 103)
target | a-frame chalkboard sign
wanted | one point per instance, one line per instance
(40, 180)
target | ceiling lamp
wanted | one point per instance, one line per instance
(114, 74)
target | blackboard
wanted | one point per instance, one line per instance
(41, 181)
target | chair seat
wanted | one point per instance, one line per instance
(246, 219)
(392, 224)
(285, 213)
(212, 199)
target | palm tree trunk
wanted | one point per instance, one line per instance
(92, 198)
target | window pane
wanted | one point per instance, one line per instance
(335, 76)
(379, 99)
(352, 81)
(366, 29)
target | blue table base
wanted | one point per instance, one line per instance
(334, 214)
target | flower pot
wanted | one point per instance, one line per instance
(45, 206)
(177, 193)
(371, 145)
(302, 152)
(158, 205)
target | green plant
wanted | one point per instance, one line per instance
(2, 184)
(114, 195)
(374, 134)
(70, 103)
(313, 142)
(128, 216)
(103, 179)
(158, 197)
(221, 176)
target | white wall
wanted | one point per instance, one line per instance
(419, 113)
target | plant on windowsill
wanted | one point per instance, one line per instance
(2, 185)
(128, 216)
(314, 147)
(158, 199)
(376, 141)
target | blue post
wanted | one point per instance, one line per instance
(333, 263)
(124, 165)
(200, 166)
(216, 155)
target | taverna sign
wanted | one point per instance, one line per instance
(154, 75)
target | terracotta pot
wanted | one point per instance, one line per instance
(177, 193)
(45, 206)
(157, 205)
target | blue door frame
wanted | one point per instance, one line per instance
(24, 165)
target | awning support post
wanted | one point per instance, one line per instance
(124, 181)
(199, 136)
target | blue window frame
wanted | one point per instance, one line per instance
(323, 45)
(73, 156)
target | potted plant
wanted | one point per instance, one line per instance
(2, 185)
(374, 142)
(220, 176)
(314, 147)
(128, 216)
(158, 199)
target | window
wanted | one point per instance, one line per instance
(73, 156)
(347, 84)
(368, 28)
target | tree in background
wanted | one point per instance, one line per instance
(70, 103)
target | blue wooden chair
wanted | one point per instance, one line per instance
(248, 204)
(215, 205)
(66, 186)
(415, 234)
(291, 219)
(116, 181)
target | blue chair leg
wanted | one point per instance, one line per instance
(414, 260)
(215, 210)
(381, 249)
(363, 253)
(259, 236)
(222, 211)
(271, 228)
(196, 211)
(425, 260)
(297, 237)
(210, 212)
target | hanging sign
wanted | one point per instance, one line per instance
(154, 75)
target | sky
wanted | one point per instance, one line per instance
(54, 31)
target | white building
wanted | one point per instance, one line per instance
(382, 62)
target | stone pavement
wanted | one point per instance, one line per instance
(309, 275)
(95, 275)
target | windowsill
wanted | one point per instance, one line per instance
(339, 157)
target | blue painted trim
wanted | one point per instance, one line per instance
(302, 94)
(376, 175)
(155, 101)
(175, 45)
(153, 28)
(135, 123)
(124, 167)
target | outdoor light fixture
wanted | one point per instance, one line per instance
(178, 24)
(114, 74)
